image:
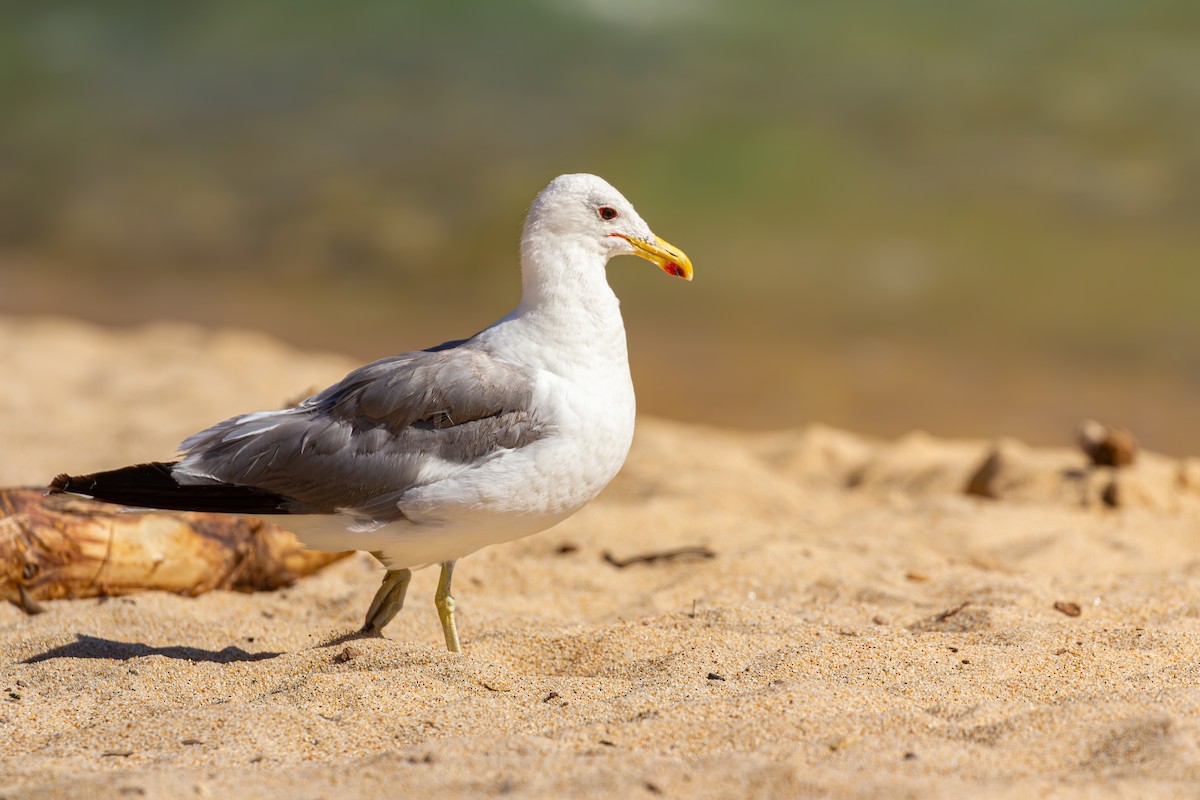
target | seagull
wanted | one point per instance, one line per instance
(427, 456)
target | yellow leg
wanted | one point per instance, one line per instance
(388, 600)
(445, 606)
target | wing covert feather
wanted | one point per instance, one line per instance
(375, 432)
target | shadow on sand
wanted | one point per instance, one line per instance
(93, 647)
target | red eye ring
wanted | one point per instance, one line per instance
(607, 213)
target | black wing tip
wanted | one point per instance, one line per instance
(152, 485)
(158, 472)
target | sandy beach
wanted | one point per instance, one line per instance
(849, 621)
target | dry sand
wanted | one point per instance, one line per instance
(864, 629)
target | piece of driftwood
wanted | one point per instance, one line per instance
(59, 546)
(698, 551)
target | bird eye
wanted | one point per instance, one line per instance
(607, 213)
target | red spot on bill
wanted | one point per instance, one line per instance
(674, 269)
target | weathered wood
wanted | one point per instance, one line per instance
(60, 546)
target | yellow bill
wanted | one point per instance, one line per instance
(669, 258)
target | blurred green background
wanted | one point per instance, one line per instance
(973, 218)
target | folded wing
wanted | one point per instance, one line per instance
(385, 428)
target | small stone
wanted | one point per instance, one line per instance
(346, 655)
(1068, 608)
(1106, 445)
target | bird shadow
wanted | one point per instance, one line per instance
(95, 647)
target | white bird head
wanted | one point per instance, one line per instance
(584, 212)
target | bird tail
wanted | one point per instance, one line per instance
(154, 485)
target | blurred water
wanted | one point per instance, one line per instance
(973, 218)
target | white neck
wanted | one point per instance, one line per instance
(568, 306)
(564, 279)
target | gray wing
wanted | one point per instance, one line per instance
(383, 429)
